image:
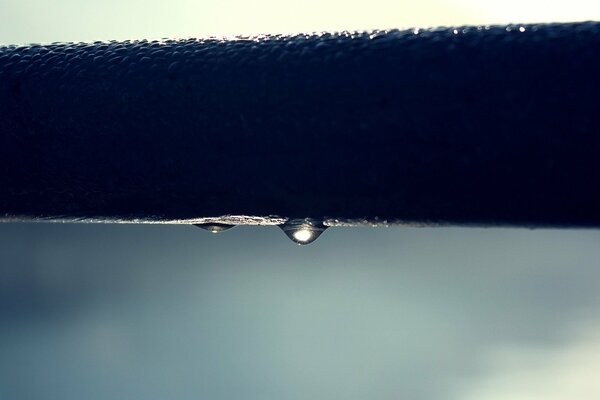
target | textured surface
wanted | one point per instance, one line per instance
(471, 125)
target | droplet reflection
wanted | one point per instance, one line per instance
(303, 231)
(214, 227)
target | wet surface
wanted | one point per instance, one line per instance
(489, 125)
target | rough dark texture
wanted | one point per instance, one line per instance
(487, 126)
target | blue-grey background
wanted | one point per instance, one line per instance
(129, 311)
(155, 312)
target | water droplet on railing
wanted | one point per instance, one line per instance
(303, 231)
(214, 227)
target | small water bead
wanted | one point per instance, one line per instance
(214, 227)
(303, 231)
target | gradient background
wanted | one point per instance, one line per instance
(155, 312)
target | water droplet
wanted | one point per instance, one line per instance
(303, 231)
(214, 227)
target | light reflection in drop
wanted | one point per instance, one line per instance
(214, 227)
(303, 231)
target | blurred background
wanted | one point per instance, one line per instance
(155, 312)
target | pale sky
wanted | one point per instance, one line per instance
(84, 20)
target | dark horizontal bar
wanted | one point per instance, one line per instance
(470, 125)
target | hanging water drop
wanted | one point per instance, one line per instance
(303, 231)
(214, 227)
